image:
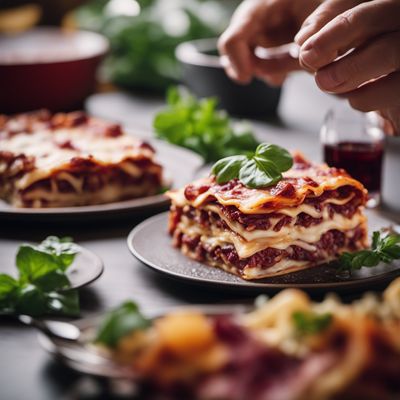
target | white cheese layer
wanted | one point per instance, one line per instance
(299, 236)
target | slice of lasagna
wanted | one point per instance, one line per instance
(71, 159)
(309, 217)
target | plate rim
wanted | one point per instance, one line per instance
(100, 267)
(250, 285)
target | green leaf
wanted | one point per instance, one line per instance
(31, 300)
(41, 275)
(258, 172)
(63, 250)
(121, 322)
(255, 170)
(173, 95)
(8, 293)
(54, 280)
(376, 237)
(228, 168)
(383, 249)
(277, 155)
(309, 323)
(33, 263)
(7, 285)
(51, 255)
(199, 126)
(65, 303)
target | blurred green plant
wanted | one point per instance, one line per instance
(143, 35)
(198, 125)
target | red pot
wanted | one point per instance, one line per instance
(48, 68)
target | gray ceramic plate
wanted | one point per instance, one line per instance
(151, 244)
(180, 166)
(86, 268)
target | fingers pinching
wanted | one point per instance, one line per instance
(321, 16)
(362, 65)
(238, 57)
(349, 29)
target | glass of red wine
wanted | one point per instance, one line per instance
(354, 141)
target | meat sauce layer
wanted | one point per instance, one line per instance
(330, 244)
(272, 221)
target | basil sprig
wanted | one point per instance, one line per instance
(121, 322)
(384, 248)
(260, 169)
(41, 279)
(310, 323)
(199, 125)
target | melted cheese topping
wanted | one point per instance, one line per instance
(252, 201)
(50, 154)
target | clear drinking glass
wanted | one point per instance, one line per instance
(354, 141)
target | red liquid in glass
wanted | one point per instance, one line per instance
(363, 161)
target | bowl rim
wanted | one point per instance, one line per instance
(192, 52)
(100, 46)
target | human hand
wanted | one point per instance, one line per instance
(367, 36)
(263, 23)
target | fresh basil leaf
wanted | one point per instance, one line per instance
(199, 126)
(260, 169)
(33, 263)
(54, 280)
(257, 172)
(366, 258)
(41, 275)
(383, 249)
(173, 95)
(309, 323)
(392, 253)
(389, 241)
(31, 301)
(7, 285)
(65, 303)
(121, 322)
(8, 292)
(63, 250)
(228, 168)
(277, 155)
(376, 237)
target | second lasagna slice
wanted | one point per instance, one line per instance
(310, 217)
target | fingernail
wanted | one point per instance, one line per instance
(308, 55)
(328, 79)
(303, 34)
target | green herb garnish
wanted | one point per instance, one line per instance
(384, 248)
(260, 169)
(120, 322)
(41, 271)
(309, 323)
(199, 126)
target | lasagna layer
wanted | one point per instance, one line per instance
(72, 160)
(256, 239)
(304, 183)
